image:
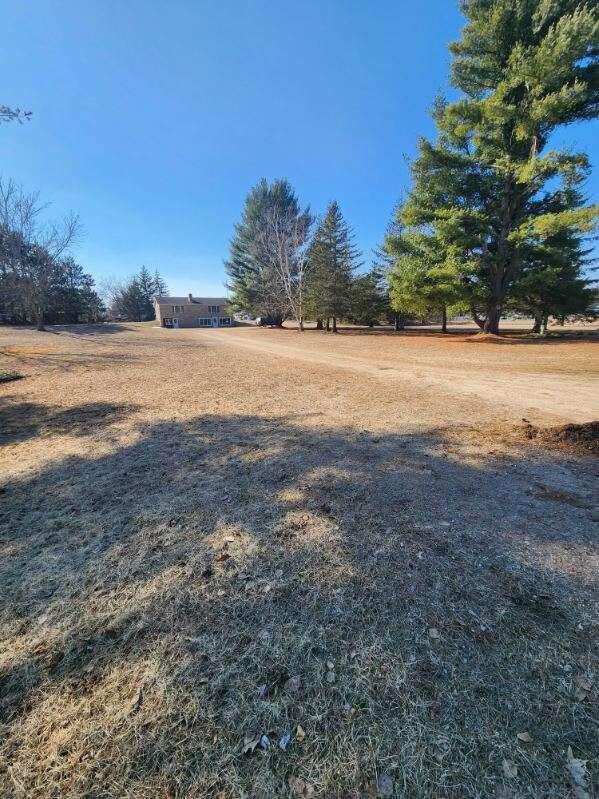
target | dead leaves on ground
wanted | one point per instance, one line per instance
(524, 737)
(510, 769)
(299, 788)
(577, 769)
(253, 742)
(582, 687)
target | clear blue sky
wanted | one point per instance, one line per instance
(153, 119)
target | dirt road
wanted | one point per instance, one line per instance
(532, 387)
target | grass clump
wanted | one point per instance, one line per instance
(9, 376)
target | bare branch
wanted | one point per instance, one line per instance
(285, 242)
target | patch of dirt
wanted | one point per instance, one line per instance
(582, 437)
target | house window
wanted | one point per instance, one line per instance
(214, 309)
(167, 321)
(225, 321)
(177, 309)
(203, 322)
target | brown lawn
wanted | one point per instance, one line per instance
(339, 553)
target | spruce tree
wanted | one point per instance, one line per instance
(491, 190)
(333, 259)
(369, 303)
(424, 281)
(254, 284)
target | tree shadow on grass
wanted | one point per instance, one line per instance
(102, 328)
(20, 421)
(409, 605)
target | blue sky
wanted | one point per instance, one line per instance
(152, 119)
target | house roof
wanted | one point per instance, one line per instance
(165, 300)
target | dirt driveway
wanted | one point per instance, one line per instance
(517, 378)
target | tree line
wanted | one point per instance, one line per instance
(40, 281)
(284, 263)
(496, 219)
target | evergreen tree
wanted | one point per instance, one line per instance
(369, 301)
(423, 282)
(74, 299)
(254, 283)
(134, 299)
(384, 261)
(552, 285)
(333, 259)
(490, 191)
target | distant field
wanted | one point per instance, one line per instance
(208, 537)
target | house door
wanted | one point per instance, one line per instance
(175, 322)
(215, 321)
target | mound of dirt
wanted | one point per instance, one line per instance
(486, 337)
(583, 437)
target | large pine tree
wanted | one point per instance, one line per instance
(254, 283)
(333, 260)
(490, 191)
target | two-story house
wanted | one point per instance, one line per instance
(192, 311)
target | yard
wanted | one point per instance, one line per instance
(255, 563)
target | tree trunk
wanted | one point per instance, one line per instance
(371, 323)
(493, 317)
(319, 324)
(544, 322)
(301, 324)
(476, 318)
(398, 322)
(40, 320)
(328, 323)
(536, 328)
(444, 320)
(334, 324)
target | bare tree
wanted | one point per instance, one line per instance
(8, 114)
(286, 243)
(37, 246)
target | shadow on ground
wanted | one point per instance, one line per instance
(20, 421)
(90, 329)
(412, 605)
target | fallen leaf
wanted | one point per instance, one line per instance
(510, 769)
(331, 677)
(293, 684)
(264, 742)
(330, 665)
(578, 775)
(284, 741)
(583, 687)
(300, 733)
(525, 737)
(137, 700)
(434, 633)
(300, 789)
(223, 556)
(250, 743)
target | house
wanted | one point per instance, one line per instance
(192, 311)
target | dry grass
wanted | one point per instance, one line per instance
(207, 537)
